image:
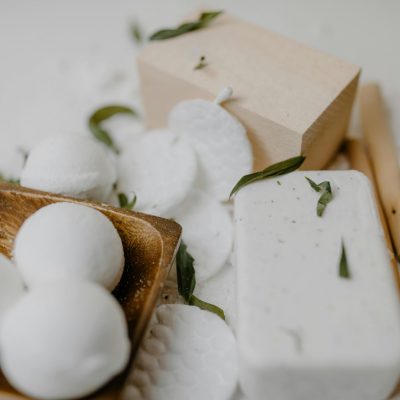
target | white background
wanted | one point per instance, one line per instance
(55, 54)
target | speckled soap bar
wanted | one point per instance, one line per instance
(307, 330)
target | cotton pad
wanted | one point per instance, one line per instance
(63, 341)
(66, 240)
(220, 141)
(160, 169)
(11, 285)
(187, 353)
(207, 231)
(72, 165)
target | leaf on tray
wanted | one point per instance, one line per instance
(124, 202)
(344, 271)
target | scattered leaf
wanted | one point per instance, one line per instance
(136, 32)
(186, 279)
(344, 271)
(124, 202)
(204, 19)
(280, 168)
(102, 114)
(326, 194)
(201, 64)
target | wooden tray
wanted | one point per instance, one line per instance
(150, 244)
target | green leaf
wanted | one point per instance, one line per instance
(102, 114)
(344, 271)
(194, 301)
(185, 273)
(204, 19)
(186, 279)
(280, 168)
(125, 203)
(201, 64)
(136, 31)
(326, 194)
(11, 181)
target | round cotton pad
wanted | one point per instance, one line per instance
(187, 353)
(160, 169)
(63, 341)
(207, 232)
(66, 240)
(72, 165)
(220, 141)
(11, 285)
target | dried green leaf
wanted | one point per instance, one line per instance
(11, 181)
(186, 279)
(280, 168)
(124, 202)
(194, 301)
(344, 271)
(326, 194)
(102, 114)
(201, 64)
(204, 19)
(136, 32)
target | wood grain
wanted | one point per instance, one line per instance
(382, 149)
(150, 244)
(291, 98)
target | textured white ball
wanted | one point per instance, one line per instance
(11, 285)
(64, 340)
(66, 240)
(72, 165)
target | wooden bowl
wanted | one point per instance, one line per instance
(150, 244)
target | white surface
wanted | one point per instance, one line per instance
(54, 54)
(64, 340)
(11, 285)
(66, 240)
(187, 353)
(207, 231)
(303, 331)
(160, 169)
(72, 165)
(220, 141)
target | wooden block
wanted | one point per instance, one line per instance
(292, 99)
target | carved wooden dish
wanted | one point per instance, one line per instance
(150, 244)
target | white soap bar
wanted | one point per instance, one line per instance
(305, 332)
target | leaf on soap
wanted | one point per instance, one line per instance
(204, 19)
(201, 64)
(186, 279)
(280, 168)
(344, 271)
(124, 202)
(326, 194)
(102, 114)
(136, 32)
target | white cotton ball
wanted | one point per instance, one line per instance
(72, 165)
(11, 285)
(63, 341)
(66, 240)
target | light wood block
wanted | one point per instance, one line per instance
(292, 99)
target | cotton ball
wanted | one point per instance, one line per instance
(63, 341)
(66, 240)
(11, 285)
(72, 165)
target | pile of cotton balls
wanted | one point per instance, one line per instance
(184, 172)
(62, 334)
